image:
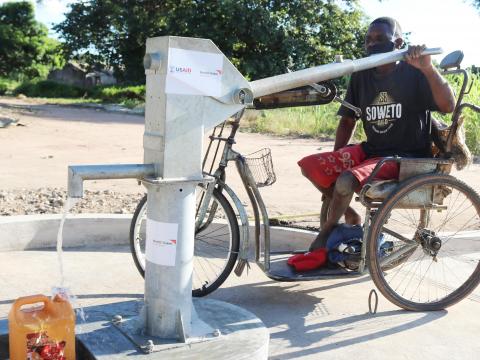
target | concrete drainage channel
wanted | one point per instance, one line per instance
(28, 232)
(34, 232)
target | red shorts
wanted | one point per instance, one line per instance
(324, 168)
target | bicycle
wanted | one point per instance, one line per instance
(405, 232)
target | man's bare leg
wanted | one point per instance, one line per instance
(351, 216)
(342, 195)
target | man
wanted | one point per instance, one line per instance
(394, 100)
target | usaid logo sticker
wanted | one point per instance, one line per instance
(191, 72)
(161, 247)
(180, 69)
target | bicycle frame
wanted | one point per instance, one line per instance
(262, 248)
(258, 205)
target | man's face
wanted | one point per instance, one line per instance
(379, 36)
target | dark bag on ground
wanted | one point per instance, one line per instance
(344, 246)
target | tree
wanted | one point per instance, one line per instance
(261, 37)
(25, 46)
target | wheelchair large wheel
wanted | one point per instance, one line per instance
(424, 243)
(216, 243)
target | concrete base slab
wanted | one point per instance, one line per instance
(241, 335)
(324, 319)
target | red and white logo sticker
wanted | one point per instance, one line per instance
(161, 247)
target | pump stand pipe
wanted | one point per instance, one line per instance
(77, 174)
(275, 84)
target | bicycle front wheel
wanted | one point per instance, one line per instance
(215, 248)
(424, 243)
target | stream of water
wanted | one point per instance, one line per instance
(66, 208)
(62, 290)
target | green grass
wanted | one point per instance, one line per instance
(69, 101)
(129, 96)
(312, 121)
(48, 89)
(130, 104)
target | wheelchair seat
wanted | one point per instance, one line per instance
(376, 191)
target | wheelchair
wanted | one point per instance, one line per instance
(421, 242)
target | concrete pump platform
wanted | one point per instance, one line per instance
(308, 320)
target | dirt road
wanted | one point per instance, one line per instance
(36, 155)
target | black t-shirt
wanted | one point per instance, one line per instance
(394, 110)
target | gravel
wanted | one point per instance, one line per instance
(51, 201)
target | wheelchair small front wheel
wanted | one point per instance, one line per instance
(424, 243)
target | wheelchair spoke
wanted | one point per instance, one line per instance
(398, 236)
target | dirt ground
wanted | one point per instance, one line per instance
(36, 152)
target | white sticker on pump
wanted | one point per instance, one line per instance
(194, 73)
(161, 247)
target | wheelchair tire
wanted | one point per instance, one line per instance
(442, 229)
(216, 245)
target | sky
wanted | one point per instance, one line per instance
(450, 24)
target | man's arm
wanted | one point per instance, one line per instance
(345, 129)
(441, 91)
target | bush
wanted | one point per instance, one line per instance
(3, 88)
(6, 85)
(48, 89)
(471, 118)
(118, 93)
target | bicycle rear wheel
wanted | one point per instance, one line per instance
(215, 248)
(424, 243)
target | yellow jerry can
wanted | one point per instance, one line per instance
(45, 332)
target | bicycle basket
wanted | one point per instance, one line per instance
(261, 166)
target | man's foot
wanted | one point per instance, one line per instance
(321, 240)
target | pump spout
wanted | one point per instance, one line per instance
(77, 174)
(316, 74)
